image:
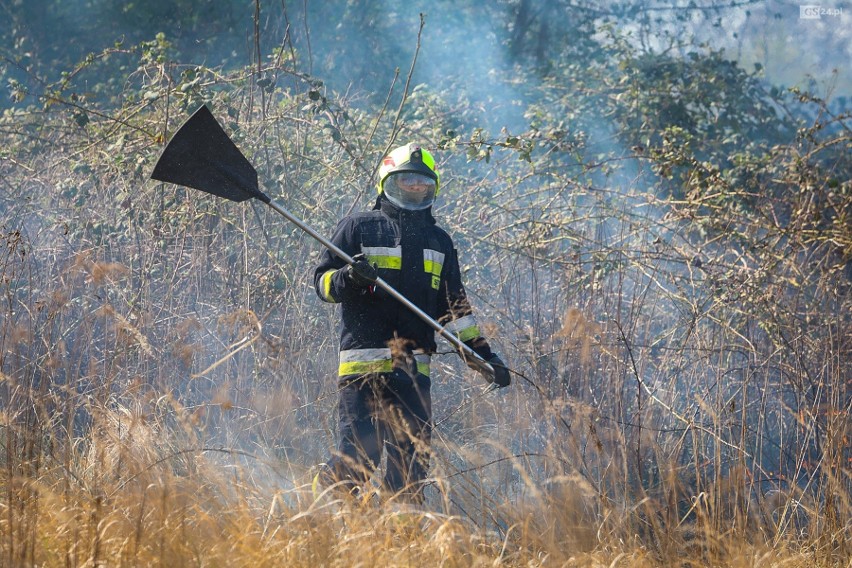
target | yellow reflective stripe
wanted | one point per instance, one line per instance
(364, 367)
(326, 286)
(392, 262)
(469, 333)
(369, 354)
(433, 261)
(464, 328)
(384, 257)
(383, 366)
(364, 361)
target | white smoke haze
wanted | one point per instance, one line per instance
(660, 329)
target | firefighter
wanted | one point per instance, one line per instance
(385, 349)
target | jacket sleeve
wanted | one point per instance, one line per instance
(329, 281)
(454, 311)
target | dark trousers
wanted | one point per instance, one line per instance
(388, 410)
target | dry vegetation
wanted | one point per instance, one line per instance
(682, 390)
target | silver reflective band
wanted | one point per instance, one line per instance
(351, 355)
(462, 323)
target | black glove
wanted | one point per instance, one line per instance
(501, 375)
(361, 273)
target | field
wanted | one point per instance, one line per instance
(671, 289)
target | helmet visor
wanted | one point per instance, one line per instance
(410, 190)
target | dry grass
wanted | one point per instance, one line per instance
(167, 375)
(134, 498)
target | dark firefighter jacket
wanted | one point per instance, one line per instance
(415, 257)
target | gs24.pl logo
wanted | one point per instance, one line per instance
(816, 12)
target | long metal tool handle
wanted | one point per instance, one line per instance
(474, 357)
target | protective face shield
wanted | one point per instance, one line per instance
(409, 190)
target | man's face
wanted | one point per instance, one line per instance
(410, 190)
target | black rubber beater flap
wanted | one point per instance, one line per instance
(202, 156)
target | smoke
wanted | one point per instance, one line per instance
(573, 227)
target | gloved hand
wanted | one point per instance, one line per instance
(501, 375)
(361, 274)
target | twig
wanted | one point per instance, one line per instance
(638, 424)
